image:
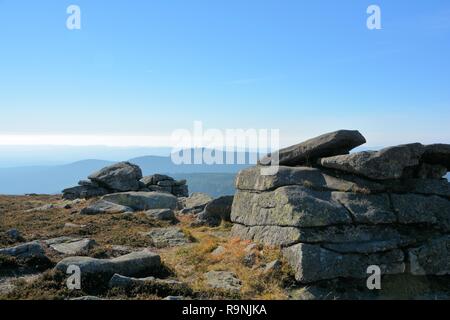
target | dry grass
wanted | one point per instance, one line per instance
(187, 263)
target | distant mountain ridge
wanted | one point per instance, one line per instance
(213, 179)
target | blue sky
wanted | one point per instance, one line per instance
(150, 67)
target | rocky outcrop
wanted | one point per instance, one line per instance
(216, 211)
(124, 177)
(346, 212)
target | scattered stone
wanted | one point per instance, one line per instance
(30, 252)
(327, 145)
(86, 298)
(273, 266)
(13, 235)
(69, 225)
(161, 214)
(141, 201)
(167, 237)
(105, 207)
(173, 298)
(196, 203)
(218, 251)
(385, 164)
(249, 259)
(69, 246)
(150, 284)
(122, 176)
(223, 280)
(84, 192)
(216, 211)
(134, 264)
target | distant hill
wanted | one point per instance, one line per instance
(212, 179)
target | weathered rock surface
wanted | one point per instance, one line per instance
(432, 258)
(385, 164)
(122, 176)
(438, 154)
(84, 192)
(162, 287)
(389, 208)
(71, 246)
(330, 144)
(167, 237)
(223, 280)
(105, 207)
(25, 251)
(288, 206)
(313, 263)
(142, 201)
(134, 264)
(161, 214)
(216, 211)
(195, 203)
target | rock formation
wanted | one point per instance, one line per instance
(335, 214)
(124, 177)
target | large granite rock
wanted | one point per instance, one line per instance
(438, 154)
(195, 203)
(84, 192)
(312, 263)
(141, 201)
(432, 258)
(71, 246)
(288, 206)
(385, 164)
(25, 251)
(143, 263)
(330, 144)
(122, 176)
(104, 207)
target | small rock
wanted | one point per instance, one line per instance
(273, 266)
(218, 251)
(167, 237)
(223, 280)
(173, 298)
(70, 225)
(161, 214)
(249, 259)
(73, 246)
(105, 207)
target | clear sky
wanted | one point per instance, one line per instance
(145, 68)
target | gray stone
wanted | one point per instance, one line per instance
(141, 201)
(216, 211)
(359, 238)
(133, 264)
(86, 298)
(122, 176)
(288, 206)
(13, 235)
(437, 154)
(385, 164)
(253, 179)
(84, 192)
(158, 189)
(180, 191)
(166, 183)
(174, 298)
(104, 207)
(312, 263)
(223, 280)
(161, 214)
(165, 286)
(218, 251)
(430, 171)
(167, 237)
(427, 187)
(432, 258)
(25, 251)
(73, 246)
(249, 259)
(273, 266)
(195, 203)
(413, 209)
(330, 144)
(154, 179)
(369, 209)
(70, 225)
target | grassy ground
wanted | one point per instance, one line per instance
(187, 263)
